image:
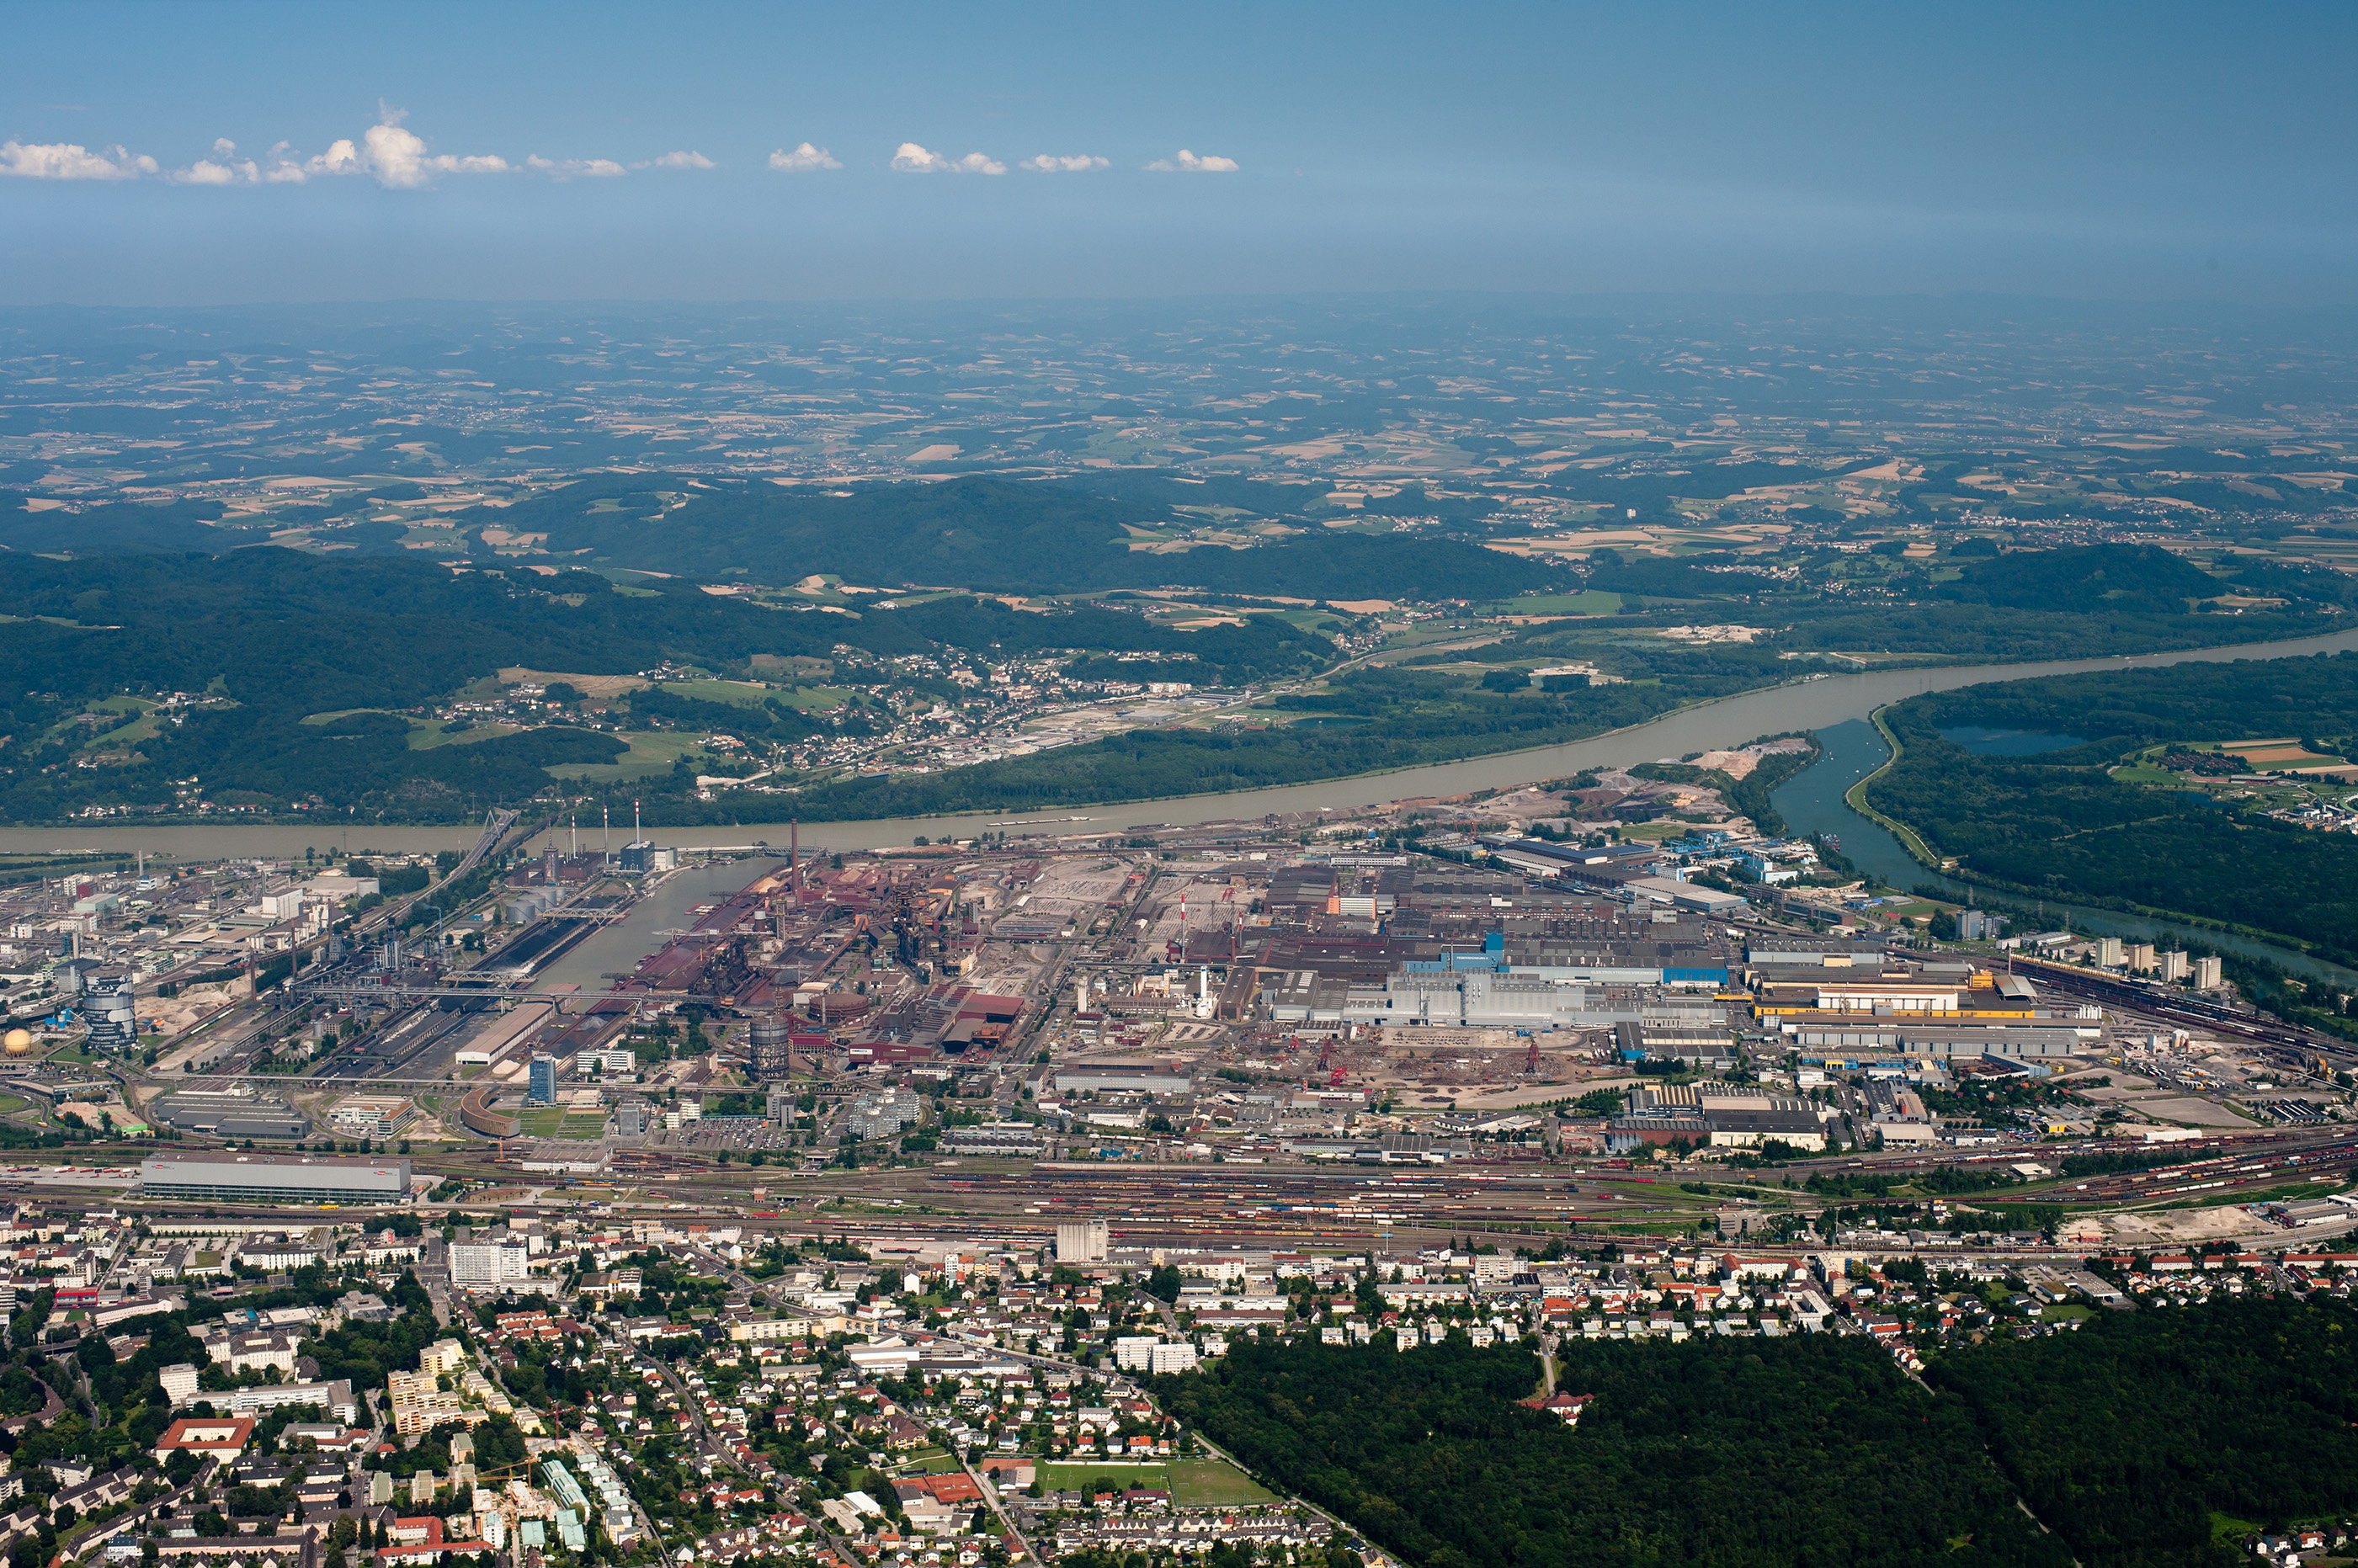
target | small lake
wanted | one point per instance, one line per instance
(1985, 743)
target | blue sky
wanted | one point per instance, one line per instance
(2142, 152)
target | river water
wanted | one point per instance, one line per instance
(1812, 802)
(1807, 704)
(612, 949)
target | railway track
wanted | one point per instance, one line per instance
(2186, 1008)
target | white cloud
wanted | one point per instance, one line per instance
(70, 160)
(395, 155)
(804, 157)
(398, 158)
(1046, 164)
(225, 167)
(341, 158)
(1188, 163)
(575, 167)
(911, 159)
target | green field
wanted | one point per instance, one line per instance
(742, 694)
(815, 698)
(651, 751)
(1061, 1475)
(561, 1123)
(1588, 601)
(1212, 1483)
(1191, 1482)
(424, 737)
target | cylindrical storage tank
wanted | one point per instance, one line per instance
(772, 1046)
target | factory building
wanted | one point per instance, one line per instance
(1894, 1037)
(1006, 1138)
(1704, 1117)
(252, 1178)
(641, 858)
(235, 1112)
(1121, 1077)
(1461, 991)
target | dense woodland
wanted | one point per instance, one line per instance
(2138, 1442)
(1811, 1450)
(2127, 1438)
(2078, 601)
(2059, 824)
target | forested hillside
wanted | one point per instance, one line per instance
(287, 645)
(2059, 823)
(2073, 601)
(2103, 578)
(991, 534)
(272, 638)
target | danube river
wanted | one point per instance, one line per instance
(1811, 704)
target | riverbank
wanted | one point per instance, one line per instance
(1856, 798)
(1816, 801)
(1812, 704)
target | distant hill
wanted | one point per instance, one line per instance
(124, 528)
(2084, 578)
(279, 637)
(983, 532)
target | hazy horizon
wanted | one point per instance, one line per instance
(734, 154)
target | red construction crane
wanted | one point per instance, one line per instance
(1328, 1064)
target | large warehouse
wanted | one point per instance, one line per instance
(234, 1112)
(261, 1178)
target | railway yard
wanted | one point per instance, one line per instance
(1252, 1034)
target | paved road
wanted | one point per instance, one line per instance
(990, 1495)
(433, 1274)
